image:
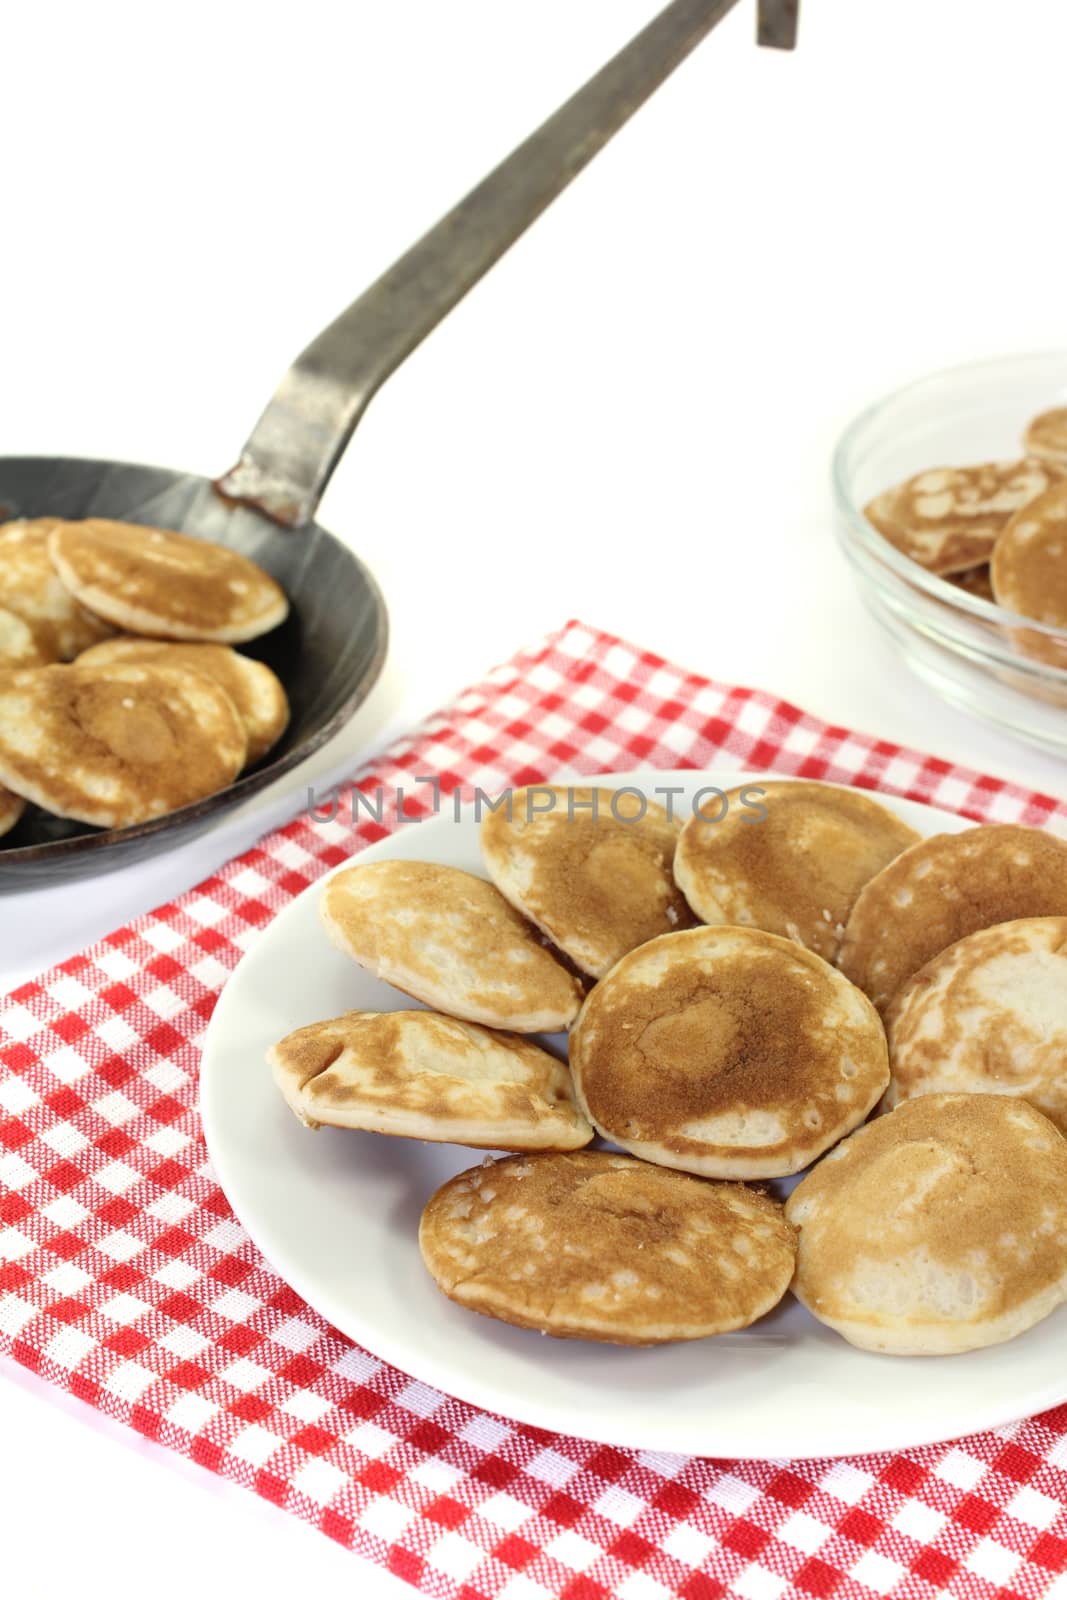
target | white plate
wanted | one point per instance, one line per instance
(337, 1214)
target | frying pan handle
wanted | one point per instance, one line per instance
(299, 439)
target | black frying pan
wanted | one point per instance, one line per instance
(330, 651)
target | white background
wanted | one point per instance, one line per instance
(629, 420)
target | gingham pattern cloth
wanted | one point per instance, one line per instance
(126, 1279)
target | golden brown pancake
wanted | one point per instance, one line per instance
(939, 1228)
(30, 590)
(987, 1016)
(596, 885)
(426, 1076)
(941, 890)
(115, 745)
(1046, 437)
(255, 691)
(728, 1052)
(11, 809)
(452, 941)
(18, 646)
(167, 585)
(976, 581)
(1029, 563)
(598, 1246)
(948, 518)
(796, 873)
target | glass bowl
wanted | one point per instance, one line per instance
(1009, 670)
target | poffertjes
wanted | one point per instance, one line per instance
(452, 941)
(797, 871)
(939, 1228)
(167, 585)
(116, 745)
(943, 888)
(727, 1052)
(599, 1246)
(426, 1076)
(597, 883)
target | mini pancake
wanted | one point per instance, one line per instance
(31, 590)
(18, 647)
(948, 518)
(598, 1246)
(976, 581)
(255, 691)
(597, 883)
(452, 941)
(987, 1016)
(1046, 437)
(937, 1229)
(11, 809)
(425, 1076)
(941, 890)
(728, 1052)
(798, 871)
(1029, 563)
(168, 585)
(114, 745)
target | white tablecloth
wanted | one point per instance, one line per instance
(629, 420)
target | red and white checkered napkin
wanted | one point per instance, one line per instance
(126, 1279)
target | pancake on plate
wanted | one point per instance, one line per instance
(116, 745)
(31, 590)
(167, 585)
(452, 941)
(987, 1016)
(596, 883)
(944, 888)
(796, 873)
(728, 1052)
(11, 808)
(598, 1246)
(939, 1228)
(1046, 437)
(948, 518)
(425, 1076)
(255, 691)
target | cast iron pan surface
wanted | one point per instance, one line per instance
(327, 653)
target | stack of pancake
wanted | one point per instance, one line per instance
(998, 530)
(740, 995)
(121, 697)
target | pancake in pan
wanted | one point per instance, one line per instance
(796, 873)
(727, 1052)
(452, 941)
(255, 691)
(987, 1016)
(18, 647)
(599, 1246)
(11, 809)
(32, 591)
(944, 888)
(939, 1228)
(167, 585)
(596, 885)
(426, 1076)
(116, 745)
